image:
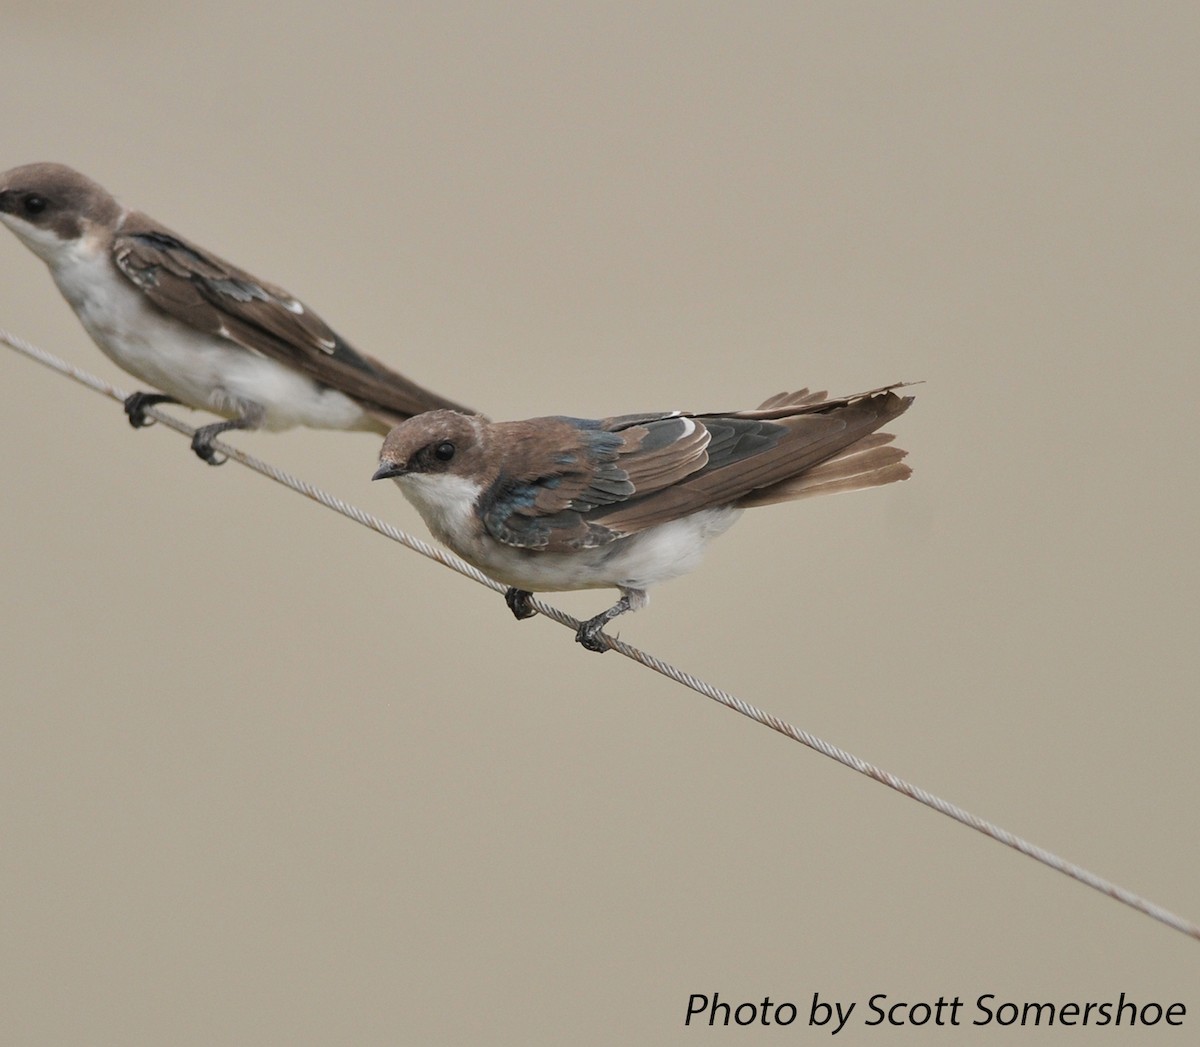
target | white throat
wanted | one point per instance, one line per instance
(446, 503)
(44, 243)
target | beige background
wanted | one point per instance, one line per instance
(269, 779)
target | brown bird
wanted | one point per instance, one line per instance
(552, 504)
(181, 319)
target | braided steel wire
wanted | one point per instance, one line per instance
(651, 661)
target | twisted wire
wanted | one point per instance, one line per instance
(651, 661)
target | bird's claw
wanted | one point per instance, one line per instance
(202, 445)
(592, 636)
(518, 603)
(136, 404)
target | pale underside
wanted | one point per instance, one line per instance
(447, 504)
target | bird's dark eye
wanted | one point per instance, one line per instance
(35, 204)
(444, 451)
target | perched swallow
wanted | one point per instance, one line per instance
(551, 504)
(206, 333)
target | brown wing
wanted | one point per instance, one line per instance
(561, 472)
(209, 294)
(750, 456)
(572, 483)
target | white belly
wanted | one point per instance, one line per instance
(638, 562)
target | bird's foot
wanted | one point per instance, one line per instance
(591, 634)
(203, 438)
(136, 404)
(518, 603)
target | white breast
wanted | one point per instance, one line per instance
(447, 505)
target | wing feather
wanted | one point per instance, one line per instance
(207, 293)
(574, 483)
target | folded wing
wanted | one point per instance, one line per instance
(209, 294)
(585, 483)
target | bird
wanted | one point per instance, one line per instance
(200, 331)
(560, 503)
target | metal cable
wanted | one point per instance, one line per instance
(629, 651)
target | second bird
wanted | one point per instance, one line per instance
(181, 319)
(554, 504)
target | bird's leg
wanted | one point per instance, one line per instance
(591, 633)
(250, 416)
(518, 603)
(203, 437)
(136, 404)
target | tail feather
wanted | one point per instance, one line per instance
(869, 462)
(796, 399)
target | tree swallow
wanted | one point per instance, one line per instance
(206, 333)
(551, 504)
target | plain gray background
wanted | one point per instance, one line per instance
(269, 779)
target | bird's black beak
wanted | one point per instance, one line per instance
(387, 470)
